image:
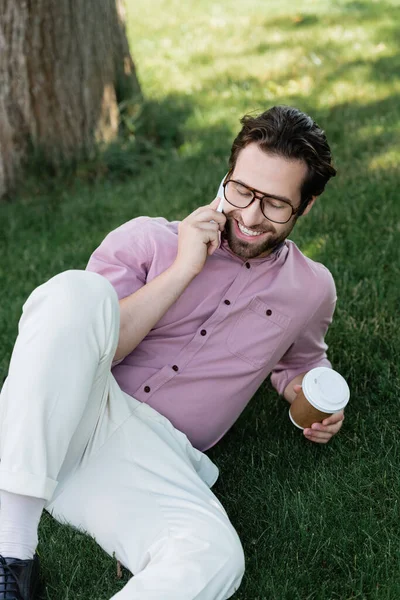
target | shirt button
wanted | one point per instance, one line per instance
(203, 332)
(227, 302)
(247, 265)
(175, 368)
(146, 389)
(269, 312)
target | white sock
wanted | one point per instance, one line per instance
(19, 521)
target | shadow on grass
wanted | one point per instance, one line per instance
(287, 32)
(58, 220)
(346, 14)
(380, 69)
(148, 131)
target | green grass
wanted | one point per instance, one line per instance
(317, 523)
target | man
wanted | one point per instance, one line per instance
(207, 309)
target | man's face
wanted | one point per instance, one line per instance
(274, 176)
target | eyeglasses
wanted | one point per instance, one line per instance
(241, 196)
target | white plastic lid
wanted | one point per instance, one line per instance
(326, 389)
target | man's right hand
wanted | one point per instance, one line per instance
(198, 237)
(140, 311)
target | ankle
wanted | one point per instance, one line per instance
(19, 520)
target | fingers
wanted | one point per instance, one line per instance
(220, 207)
(327, 428)
(214, 236)
(207, 214)
(317, 436)
(213, 245)
(215, 203)
(320, 433)
(199, 235)
(330, 425)
(208, 226)
(336, 418)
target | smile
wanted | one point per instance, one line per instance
(248, 232)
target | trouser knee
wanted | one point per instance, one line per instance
(71, 298)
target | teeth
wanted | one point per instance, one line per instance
(248, 231)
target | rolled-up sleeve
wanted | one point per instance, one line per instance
(309, 350)
(124, 257)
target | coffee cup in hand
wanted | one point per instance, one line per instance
(324, 392)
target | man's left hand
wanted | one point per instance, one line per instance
(321, 433)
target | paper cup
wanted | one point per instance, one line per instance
(324, 392)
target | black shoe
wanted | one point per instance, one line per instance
(18, 578)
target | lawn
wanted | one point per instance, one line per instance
(316, 522)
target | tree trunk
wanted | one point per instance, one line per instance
(64, 66)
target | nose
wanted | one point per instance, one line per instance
(252, 215)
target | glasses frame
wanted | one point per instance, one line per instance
(261, 197)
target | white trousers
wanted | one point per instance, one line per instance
(105, 462)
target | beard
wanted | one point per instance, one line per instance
(254, 249)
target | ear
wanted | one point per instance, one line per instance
(309, 206)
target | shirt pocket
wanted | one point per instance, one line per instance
(257, 333)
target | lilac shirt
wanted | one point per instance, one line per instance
(235, 323)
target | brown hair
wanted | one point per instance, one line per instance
(286, 131)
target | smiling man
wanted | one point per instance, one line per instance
(127, 372)
(249, 233)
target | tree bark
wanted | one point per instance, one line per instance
(64, 67)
